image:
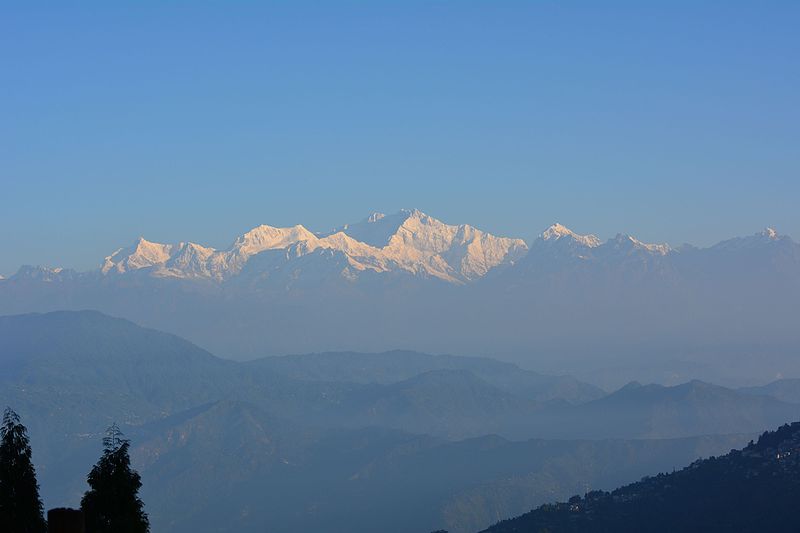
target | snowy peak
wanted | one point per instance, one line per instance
(455, 253)
(408, 241)
(769, 237)
(189, 260)
(558, 231)
(41, 273)
(622, 241)
(376, 229)
(142, 254)
(770, 233)
(269, 238)
(415, 242)
(150, 252)
(422, 233)
(184, 259)
(627, 242)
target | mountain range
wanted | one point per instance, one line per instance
(408, 242)
(615, 311)
(343, 441)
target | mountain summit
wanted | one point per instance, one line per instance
(557, 232)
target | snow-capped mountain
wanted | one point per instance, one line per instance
(561, 234)
(43, 274)
(767, 237)
(561, 252)
(409, 241)
(410, 280)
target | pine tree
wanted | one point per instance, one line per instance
(20, 504)
(112, 504)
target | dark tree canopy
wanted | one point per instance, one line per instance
(20, 504)
(755, 489)
(112, 504)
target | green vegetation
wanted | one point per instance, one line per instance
(20, 504)
(753, 489)
(112, 504)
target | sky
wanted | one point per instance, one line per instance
(196, 121)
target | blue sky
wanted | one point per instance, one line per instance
(198, 120)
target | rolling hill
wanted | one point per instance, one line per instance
(748, 490)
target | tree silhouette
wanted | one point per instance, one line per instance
(112, 504)
(20, 504)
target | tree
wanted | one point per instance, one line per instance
(20, 504)
(112, 504)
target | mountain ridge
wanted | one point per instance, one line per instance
(415, 243)
(409, 241)
(723, 313)
(747, 490)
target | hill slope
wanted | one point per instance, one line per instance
(785, 390)
(755, 489)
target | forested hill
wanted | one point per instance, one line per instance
(755, 489)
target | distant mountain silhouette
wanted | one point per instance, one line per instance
(399, 365)
(693, 408)
(300, 442)
(785, 390)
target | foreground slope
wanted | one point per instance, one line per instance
(750, 490)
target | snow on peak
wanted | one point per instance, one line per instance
(142, 254)
(269, 238)
(628, 241)
(189, 260)
(415, 213)
(409, 241)
(558, 231)
(151, 252)
(43, 273)
(412, 241)
(455, 253)
(770, 233)
(765, 237)
(376, 229)
(223, 264)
